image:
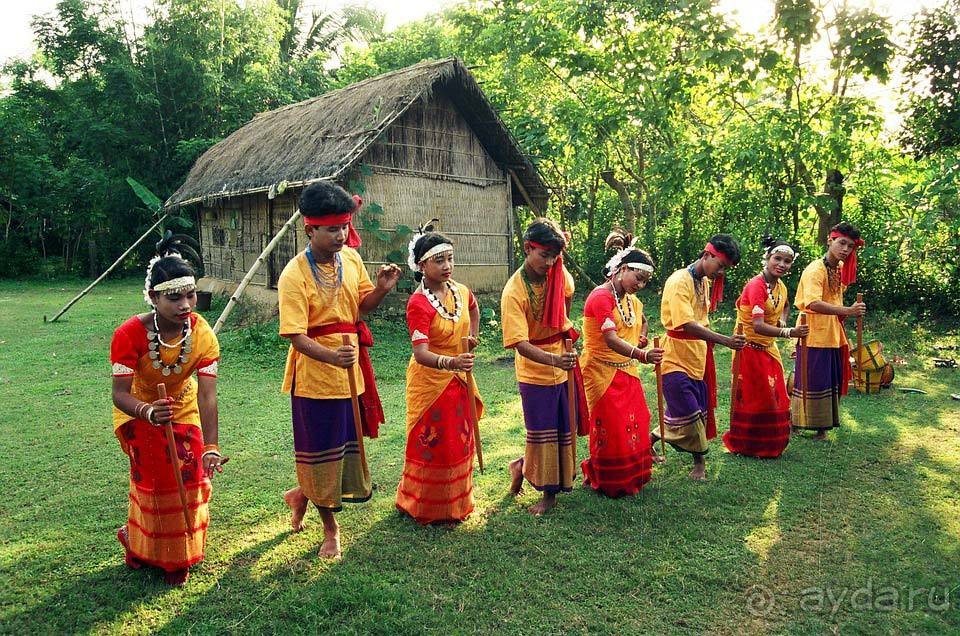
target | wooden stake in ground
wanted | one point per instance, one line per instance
(572, 403)
(802, 349)
(663, 444)
(735, 382)
(472, 406)
(109, 269)
(175, 463)
(355, 402)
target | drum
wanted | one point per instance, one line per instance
(869, 367)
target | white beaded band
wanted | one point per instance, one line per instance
(175, 285)
(436, 249)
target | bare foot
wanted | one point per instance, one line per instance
(699, 472)
(298, 507)
(330, 548)
(543, 506)
(516, 477)
(821, 435)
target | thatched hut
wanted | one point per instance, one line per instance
(420, 142)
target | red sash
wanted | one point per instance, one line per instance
(371, 410)
(709, 376)
(583, 415)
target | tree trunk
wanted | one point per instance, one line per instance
(630, 213)
(591, 207)
(92, 258)
(830, 215)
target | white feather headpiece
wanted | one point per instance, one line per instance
(614, 263)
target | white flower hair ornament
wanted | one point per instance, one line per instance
(422, 229)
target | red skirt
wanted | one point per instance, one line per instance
(619, 462)
(437, 480)
(760, 425)
(157, 533)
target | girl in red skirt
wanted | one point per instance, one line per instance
(760, 424)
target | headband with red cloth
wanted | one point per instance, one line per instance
(716, 288)
(848, 273)
(353, 239)
(554, 305)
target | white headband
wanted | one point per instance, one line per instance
(785, 249)
(614, 263)
(442, 248)
(176, 285)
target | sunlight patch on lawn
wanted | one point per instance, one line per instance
(767, 535)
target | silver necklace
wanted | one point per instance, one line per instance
(154, 342)
(628, 321)
(446, 315)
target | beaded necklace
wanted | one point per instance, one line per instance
(697, 284)
(628, 321)
(833, 276)
(457, 305)
(537, 300)
(775, 299)
(154, 342)
(324, 279)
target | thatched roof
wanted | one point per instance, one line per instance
(323, 137)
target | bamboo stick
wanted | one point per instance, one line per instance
(859, 333)
(472, 406)
(355, 402)
(175, 463)
(803, 370)
(659, 370)
(109, 269)
(572, 403)
(735, 382)
(264, 255)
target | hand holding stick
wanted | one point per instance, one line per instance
(355, 402)
(735, 382)
(472, 405)
(175, 463)
(663, 444)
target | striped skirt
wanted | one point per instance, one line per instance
(821, 409)
(619, 462)
(329, 468)
(437, 480)
(548, 458)
(685, 416)
(156, 530)
(760, 426)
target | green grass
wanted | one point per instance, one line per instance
(831, 530)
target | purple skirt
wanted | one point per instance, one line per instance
(821, 410)
(548, 458)
(329, 468)
(685, 416)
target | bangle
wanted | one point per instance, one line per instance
(785, 332)
(207, 448)
(632, 352)
(150, 415)
(644, 354)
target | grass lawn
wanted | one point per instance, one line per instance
(860, 534)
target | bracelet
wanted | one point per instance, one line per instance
(137, 410)
(644, 358)
(211, 452)
(632, 351)
(785, 332)
(150, 410)
(211, 447)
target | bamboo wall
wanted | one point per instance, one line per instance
(428, 164)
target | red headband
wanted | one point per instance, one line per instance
(353, 239)
(716, 288)
(554, 305)
(848, 273)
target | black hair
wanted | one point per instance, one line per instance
(177, 251)
(325, 197)
(618, 239)
(768, 242)
(847, 229)
(728, 246)
(424, 244)
(546, 232)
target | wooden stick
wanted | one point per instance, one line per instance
(735, 382)
(859, 331)
(109, 269)
(253, 272)
(663, 444)
(355, 402)
(472, 406)
(572, 403)
(803, 369)
(175, 463)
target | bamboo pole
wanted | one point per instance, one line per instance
(175, 463)
(472, 406)
(663, 444)
(735, 382)
(859, 331)
(109, 269)
(264, 255)
(355, 402)
(572, 404)
(803, 370)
